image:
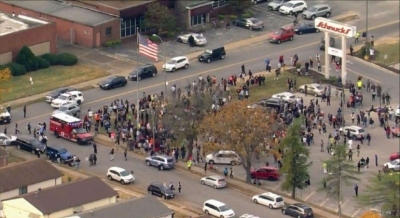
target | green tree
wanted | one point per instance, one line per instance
(159, 17)
(382, 190)
(240, 5)
(295, 160)
(27, 59)
(341, 171)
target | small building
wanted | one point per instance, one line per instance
(27, 177)
(62, 200)
(144, 207)
(3, 158)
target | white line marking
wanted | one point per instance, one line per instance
(354, 214)
(324, 202)
(309, 196)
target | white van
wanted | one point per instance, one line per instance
(223, 157)
(217, 209)
(269, 199)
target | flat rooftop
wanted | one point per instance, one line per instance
(117, 4)
(10, 24)
(64, 11)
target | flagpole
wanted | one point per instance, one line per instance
(137, 86)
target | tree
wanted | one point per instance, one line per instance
(236, 127)
(295, 159)
(382, 190)
(240, 5)
(340, 171)
(370, 214)
(159, 17)
(5, 74)
(27, 59)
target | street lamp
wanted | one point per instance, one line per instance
(165, 62)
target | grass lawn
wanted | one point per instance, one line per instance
(67, 177)
(48, 79)
(392, 51)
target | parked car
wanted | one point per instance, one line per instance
(54, 152)
(30, 144)
(269, 199)
(281, 35)
(176, 63)
(67, 98)
(57, 92)
(249, 23)
(298, 210)
(145, 71)
(306, 28)
(322, 10)
(72, 109)
(276, 4)
(7, 139)
(121, 175)
(267, 172)
(218, 209)
(212, 54)
(223, 157)
(258, 1)
(246, 215)
(160, 161)
(322, 44)
(199, 39)
(293, 7)
(394, 156)
(215, 181)
(156, 188)
(312, 89)
(286, 96)
(112, 82)
(5, 116)
(393, 165)
(355, 131)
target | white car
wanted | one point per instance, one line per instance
(176, 63)
(286, 96)
(5, 116)
(217, 209)
(215, 181)
(292, 7)
(355, 131)
(269, 199)
(223, 157)
(393, 165)
(199, 39)
(276, 4)
(7, 140)
(68, 97)
(121, 175)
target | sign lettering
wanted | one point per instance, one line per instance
(326, 26)
(335, 27)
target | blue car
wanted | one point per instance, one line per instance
(306, 28)
(55, 152)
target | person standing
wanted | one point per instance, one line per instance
(16, 129)
(24, 109)
(205, 167)
(243, 69)
(376, 160)
(112, 154)
(367, 162)
(372, 40)
(226, 171)
(29, 128)
(94, 148)
(356, 190)
(356, 37)
(351, 50)
(179, 187)
(189, 164)
(125, 154)
(231, 173)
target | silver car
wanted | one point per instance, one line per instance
(199, 39)
(312, 89)
(215, 181)
(161, 162)
(72, 109)
(317, 11)
(393, 165)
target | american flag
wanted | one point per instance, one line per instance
(148, 48)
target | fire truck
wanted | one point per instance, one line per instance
(69, 127)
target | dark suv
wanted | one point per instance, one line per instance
(30, 144)
(55, 93)
(298, 210)
(156, 188)
(55, 152)
(212, 55)
(145, 71)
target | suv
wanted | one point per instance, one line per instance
(30, 144)
(281, 35)
(317, 11)
(223, 157)
(121, 175)
(212, 54)
(55, 93)
(159, 189)
(68, 97)
(322, 44)
(276, 4)
(5, 116)
(176, 63)
(249, 23)
(160, 161)
(269, 173)
(218, 209)
(269, 199)
(7, 140)
(55, 152)
(298, 210)
(148, 70)
(293, 7)
(72, 109)
(355, 131)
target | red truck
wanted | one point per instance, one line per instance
(69, 127)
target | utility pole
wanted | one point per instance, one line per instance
(165, 62)
(366, 23)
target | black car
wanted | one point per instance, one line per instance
(160, 190)
(30, 144)
(55, 152)
(331, 43)
(306, 28)
(298, 210)
(212, 54)
(148, 70)
(55, 93)
(113, 82)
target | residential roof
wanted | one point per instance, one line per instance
(3, 152)
(64, 11)
(119, 5)
(26, 173)
(144, 207)
(67, 195)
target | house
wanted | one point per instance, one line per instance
(144, 207)
(62, 200)
(26, 177)
(3, 158)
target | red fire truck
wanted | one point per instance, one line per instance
(69, 127)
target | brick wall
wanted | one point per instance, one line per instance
(15, 41)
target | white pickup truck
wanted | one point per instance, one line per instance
(68, 97)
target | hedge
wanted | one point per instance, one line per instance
(51, 58)
(43, 63)
(154, 38)
(246, 15)
(16, 69)
(67, 59)
(26, 58)
(221, 17)
(112, 43)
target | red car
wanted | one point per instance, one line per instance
(394, 156)
(281, 35)
(396, 131)
(270, 173)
